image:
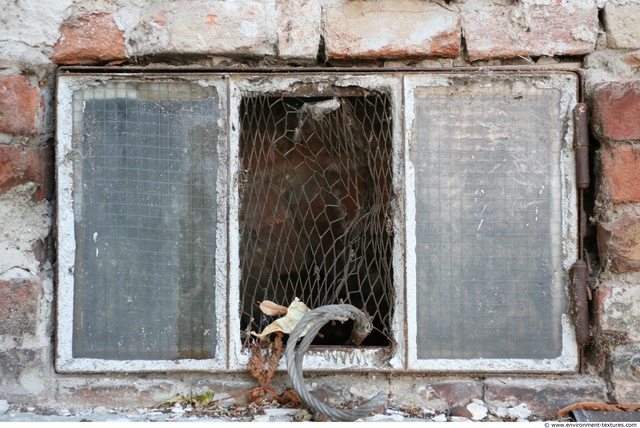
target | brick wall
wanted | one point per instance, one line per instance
(600, 36)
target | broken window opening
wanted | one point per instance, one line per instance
(315, 221)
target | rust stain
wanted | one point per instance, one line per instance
(600, 295)
(211, 19)
(158, 20)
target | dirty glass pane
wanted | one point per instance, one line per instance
(486, 154)
(145, 220)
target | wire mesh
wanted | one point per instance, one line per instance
(314, 212)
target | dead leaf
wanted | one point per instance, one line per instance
(286, 324)
(273, 309)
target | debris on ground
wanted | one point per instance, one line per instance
(193, 409)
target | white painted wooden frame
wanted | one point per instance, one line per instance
(568, 84)
(66, 151)
(325, 360)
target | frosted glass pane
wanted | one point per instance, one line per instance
(145, 220)
(486, 155)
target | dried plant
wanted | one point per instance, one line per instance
(263, 364)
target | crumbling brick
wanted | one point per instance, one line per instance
(391, 29)
(90, 39)
(619, 243)
(619, 168)
(494, 31)
(20, 105)
(616, 111)
(19, 165)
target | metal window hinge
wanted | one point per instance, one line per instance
(580, 269)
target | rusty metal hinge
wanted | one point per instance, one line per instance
(580, 269)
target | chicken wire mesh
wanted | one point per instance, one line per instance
(314, 217)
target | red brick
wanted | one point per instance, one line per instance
(544, 397)
(90, 39)
(513, 30)
(20, 165)
(19, 105)
(391, 29)
(600, 294)
(457, 392)
(619, 168)
(18, 306)
(616, 110)
(619, 243)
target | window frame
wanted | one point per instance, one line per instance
(231, 86)
(65, 153)
(317, 358)
(567, 362)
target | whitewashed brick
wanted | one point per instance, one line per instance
(299, 23)
(391, 29)
(620, 313)
(203, 27)
(529, 29)
(622, 23)
(625, 373)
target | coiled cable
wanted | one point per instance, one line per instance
(312, 322)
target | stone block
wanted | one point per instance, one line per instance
(437, 394)
(22, 374)
(199, 27)
(625, 391)
(116, 392)
(609, 65)
(23, 224)
(90, 39)
(391, 29)
(624, 364)
(494, 31)
(544, 396)
(457, 392)
(619, 168)
(616, 110)
(622, 23)
(299, 29)
(19, 165)
(19, 306)
(619, 312)
(20, 105)
(619, 242)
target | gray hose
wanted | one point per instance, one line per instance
(317, 318)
